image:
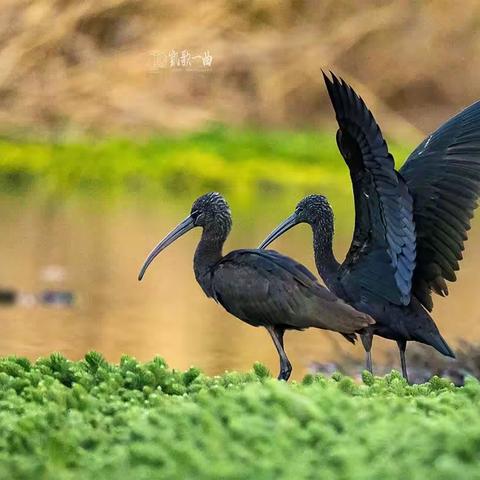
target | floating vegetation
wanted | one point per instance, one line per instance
(91, 419)
(236, 162)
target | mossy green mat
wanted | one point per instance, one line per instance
(94, 420)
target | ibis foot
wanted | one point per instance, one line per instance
(285, 366)
(402, 346)
(367, 339)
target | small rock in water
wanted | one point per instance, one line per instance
(328, 368)
(53, 273)
(25, 299)
(7, 296)
(423, 363)
(51, 298)
(58, 298)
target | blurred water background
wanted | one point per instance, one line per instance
(116, 114)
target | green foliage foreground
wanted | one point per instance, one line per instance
(91, 419)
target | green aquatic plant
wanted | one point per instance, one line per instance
(237, 162)
(62, 419)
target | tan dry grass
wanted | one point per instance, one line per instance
(76, 67)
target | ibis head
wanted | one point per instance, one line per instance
(210, 212)
(313, 210)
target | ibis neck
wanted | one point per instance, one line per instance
(207, 254)
(325, 260)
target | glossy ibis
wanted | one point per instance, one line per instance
(260, 287)
(410, 225)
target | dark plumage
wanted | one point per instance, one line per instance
(260, 287)
(410, 225)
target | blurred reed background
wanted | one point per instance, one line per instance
(104, 144)
(75, 68)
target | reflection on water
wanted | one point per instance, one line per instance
(101, 244)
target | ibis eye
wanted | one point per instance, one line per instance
(199, 217)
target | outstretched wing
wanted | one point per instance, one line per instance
(443, 176)
(381, 258)
(263, 287)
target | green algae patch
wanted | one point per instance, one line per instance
(238, 162)
(95, 420)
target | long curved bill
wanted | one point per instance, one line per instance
(176, 233)
(286, 225)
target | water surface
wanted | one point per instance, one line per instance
(101, 243)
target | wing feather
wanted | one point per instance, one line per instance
(263, 287)
(383, 245)
(443, 176)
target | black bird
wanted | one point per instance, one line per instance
(410, 225)
(260, 287)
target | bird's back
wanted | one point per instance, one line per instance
(263, 287)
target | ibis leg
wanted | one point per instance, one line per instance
(402, 346)
(285, 366)
(367, 339)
